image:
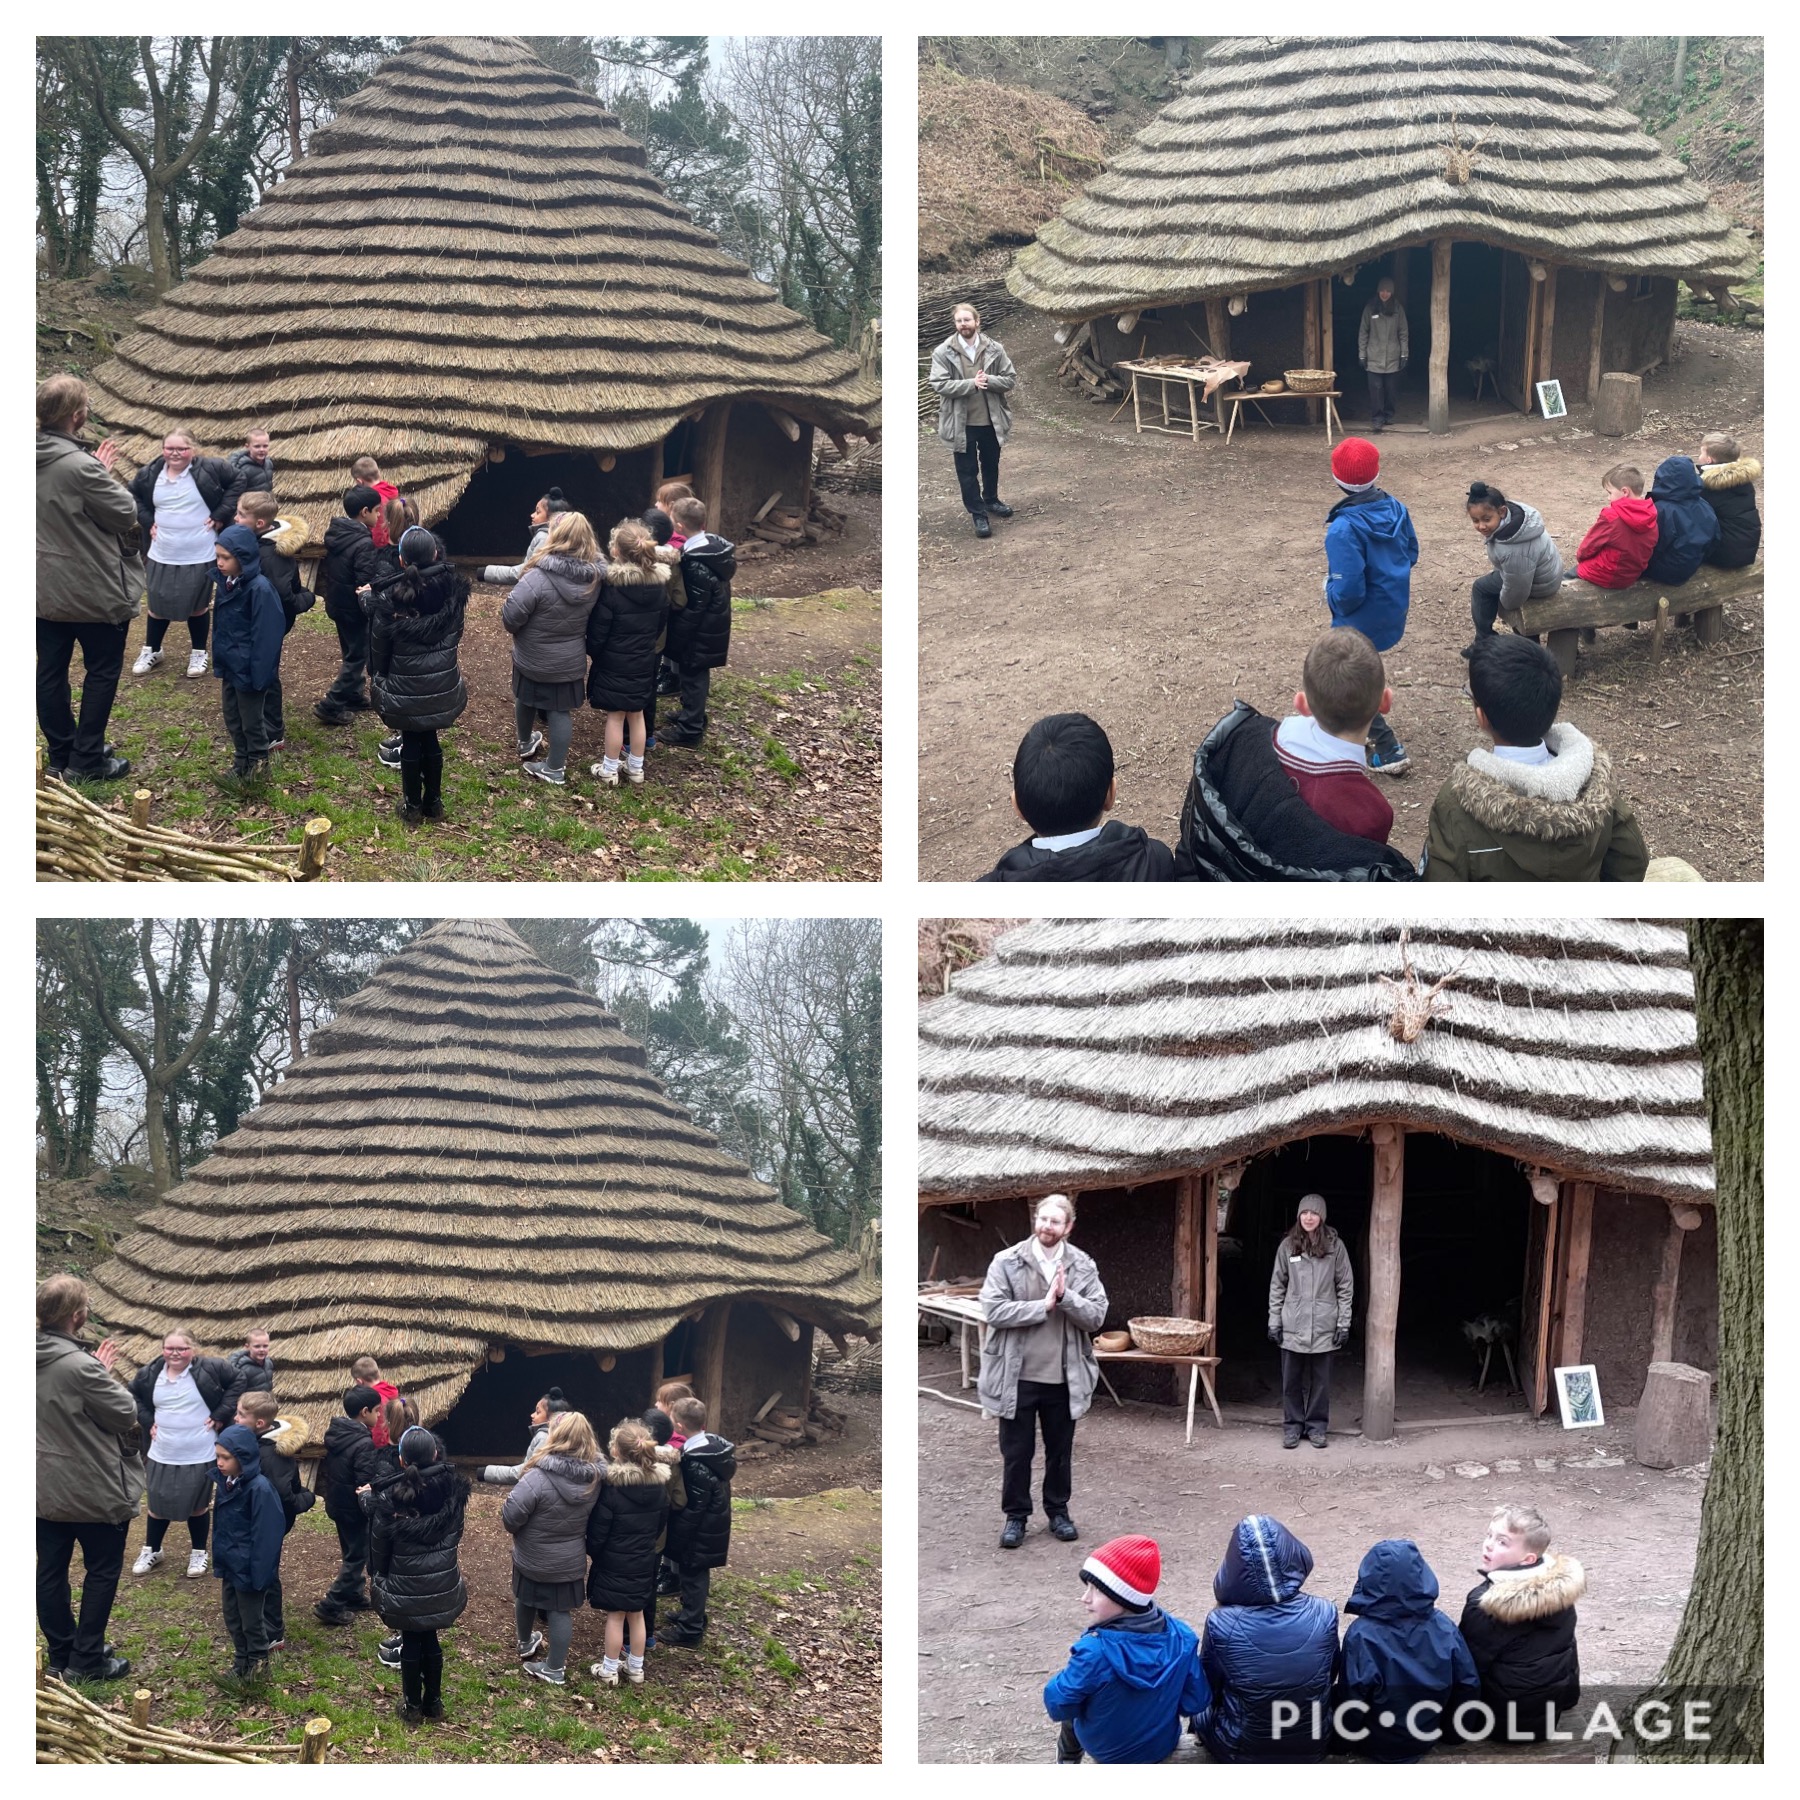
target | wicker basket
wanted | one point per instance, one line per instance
(1311, 381)
(1171, 1337)
(1110, 1343)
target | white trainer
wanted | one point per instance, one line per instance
(605, 776)
(147, 659)
(147, 1559)
(635, 775)
(605, 1676)
(196, 662)
(196, 1562)
(636, 1674)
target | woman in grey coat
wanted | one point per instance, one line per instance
(1382, 348)
(1310, 1293)
(1527, 563)
(547, 1515)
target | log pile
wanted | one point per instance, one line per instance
(777, 523)
(78, 840)
(1082, 371)
(852, 465)
(821, 1423)
(71, 1728)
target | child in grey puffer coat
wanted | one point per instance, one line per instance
(1527, 563)
(546, 1515)
(547, 616)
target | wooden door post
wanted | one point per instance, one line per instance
(1327, 334)
(1384, 1254)
(1218, 332)
(709, 458)
(1309, 334)
(1547, 328)
(1185, 1279)
(709, 1360)
(1438, 406)
(1209, 1202)
(1682, 1220)
(1581, 1236)
(1597, 342)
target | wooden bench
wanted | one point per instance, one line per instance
(1578, 607)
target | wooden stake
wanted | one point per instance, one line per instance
(1437, 416)
(313, 841)
(768, 506)
(1581, 1236)
(767, 1407)
(140, 807)
(1596, 341)
(1384, 1230)
(313, 1741)
(140, 1707)
(1659, 632)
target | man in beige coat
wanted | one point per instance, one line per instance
(90, 1477)
(1043, 1302)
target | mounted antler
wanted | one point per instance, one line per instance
(1414, 1006)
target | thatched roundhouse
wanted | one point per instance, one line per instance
(472, 1176)
(472, 276)
(1526, 217)
(1537, 1149)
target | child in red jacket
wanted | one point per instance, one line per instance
(1619, 543)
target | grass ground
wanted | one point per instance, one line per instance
(790, 1670)
(784, 787)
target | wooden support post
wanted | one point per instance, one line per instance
(806, 477)
(312, 849)
(1309, 337)
(709, 1359)
(656, 1365)
(709, 460)
(1185, 1276)
(1528, 372)
(1581, 1235)
(1218, 332)
(806, 1380)
(1437, 415)
(1547, 327)
(1400, 269)
(313, 1741)
(785, 423)
(1674, 320)
(1384, 1237)
(1682, 1220)
(1596, 342)
(1327, 335)
(1209, 1215)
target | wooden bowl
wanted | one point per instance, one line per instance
(1111, 1342)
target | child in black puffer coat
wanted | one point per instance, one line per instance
(416, 1526)
(700, 1534)
(623, 634)
(622, 1536)
(415, 626)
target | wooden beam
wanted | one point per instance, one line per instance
(709, 459)
(1384, 1261)
(1309, 337)
(1581, 1237)
(709, 1359)
(1327, 336)
(1218, 333)
(1185, 1276)
(785, 423)
(788, 1324)
(1547, 328)
(1209, 1201)
(1540, 1371)
(1668, 1284)
(1528, 373)
(1596, 341)
(1437, 415)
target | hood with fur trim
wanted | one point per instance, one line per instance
(1731, 474)
(1571, 796)
(635, 575)
(287, 1436)
(626, 1474)
(1515, 1595)
(288, 536)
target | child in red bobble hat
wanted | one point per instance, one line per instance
(1134, 1674)
(1370, 550)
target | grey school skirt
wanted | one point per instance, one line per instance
(179, 590)
(179, 1490)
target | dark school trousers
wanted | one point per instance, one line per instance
(1043, 1406)
(247, 1621)
(349, 689)
(1306, 1389)
(247, 722)
(1384, 396)
(978, 469)
(421, 768)
(353, 1549)
(68, 745)
(68, 1645)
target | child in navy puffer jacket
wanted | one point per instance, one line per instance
(247, 633)
(1134, 1673)
(1269, 1652)
(248, 1524)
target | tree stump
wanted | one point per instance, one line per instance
(1674, 1418)
(1619, 406)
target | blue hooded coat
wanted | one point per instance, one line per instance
(1686, 526)
(1370, 549)
(248, 1523)
(249, 622)
(1401, 1651)
(1127, 1686)
(1266, 1641)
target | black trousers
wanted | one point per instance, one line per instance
(1042, 1406)
(421, 767)
(1068, 1745)
(690, 1620)
(421, 1668)
(1484, 601)
(353, 647)
(696, 690)
(978, 469)
(353, 1549)
(1384, 396)
(247, 1623)
(1381, 734)
(67, 1645)
(68, 745)
(1306, 1389)
(247, 723)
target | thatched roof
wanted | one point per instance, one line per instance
(1096, 1053)
(1288, 159)
(472, 251)
(472, 1151)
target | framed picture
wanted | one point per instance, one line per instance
(1578, 1394)
(1550, 400)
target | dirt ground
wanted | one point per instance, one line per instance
(982, 1666)
(1150, 582)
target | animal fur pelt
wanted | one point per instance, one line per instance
(1550, 1586)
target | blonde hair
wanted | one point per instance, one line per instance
(260, 1405)
(1626, 476)
(632, 543)
(690, 515)
(631, 1443)
(1721, 446)
(398, 515)
(398, 1414)
(59, 400)
(671, 1391)
(1528, 1522)
(364, 465)
(966, 306)
(260, 505)
(360, 1364)
(63, 1296)
(569, 1435)
(1061, 1200)
(569, 535)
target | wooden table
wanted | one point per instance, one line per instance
(964, 1312)
(1199, 1370)
(1253, 397)
(1185, 376)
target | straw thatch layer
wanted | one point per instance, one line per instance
(472, 253)
(1289, 159)
(1098, 1053)
(472, 1152)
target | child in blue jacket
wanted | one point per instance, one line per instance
(1370, 550)
(1687, 528)
(1269, 1652)
(248, 1525)
(249, 626)
(1134, 1673)
(1403, 1660)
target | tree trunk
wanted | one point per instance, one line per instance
(1720, 1641)
(1681, 45)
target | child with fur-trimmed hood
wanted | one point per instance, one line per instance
(624, 636)
(1519, 1624)
(1728, 482)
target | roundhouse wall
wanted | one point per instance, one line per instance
(760, 1359)
(760, 459)
(1624, 1261)
(1636, 336)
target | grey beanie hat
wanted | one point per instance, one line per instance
(1312, 1203)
